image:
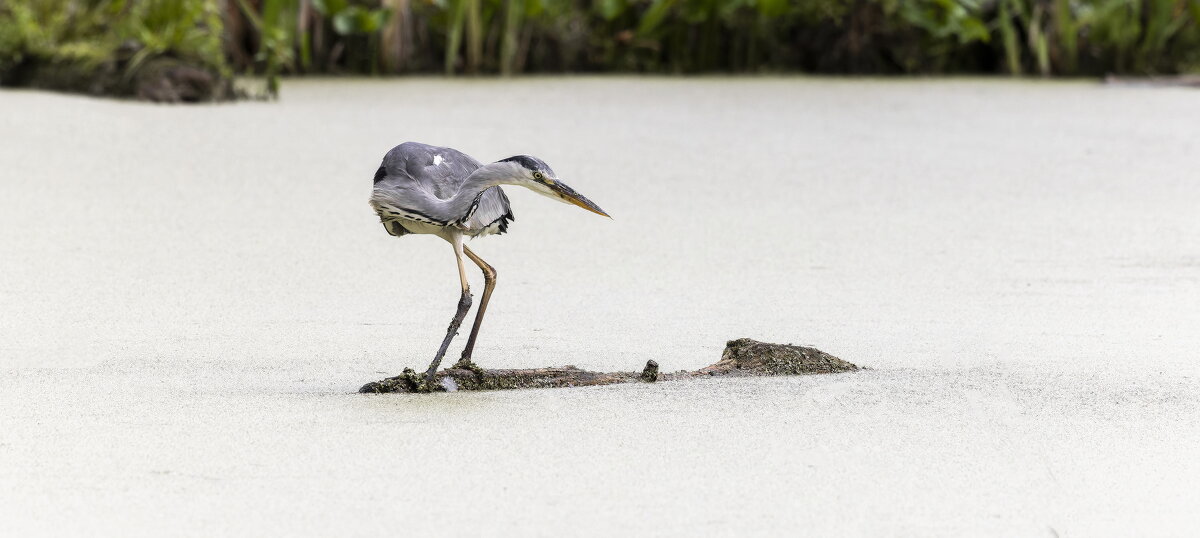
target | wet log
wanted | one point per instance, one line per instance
(742, 357)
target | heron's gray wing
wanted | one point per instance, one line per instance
(492, 214)
(414, 180)
(436, 170)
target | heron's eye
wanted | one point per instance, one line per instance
(538, 176)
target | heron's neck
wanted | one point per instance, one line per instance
(484, 178)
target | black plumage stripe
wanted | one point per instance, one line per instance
(419, 216)
(380, 174)
(523, 160)
(471, 210)
(503, 220)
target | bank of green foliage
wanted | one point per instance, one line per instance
(87, 33)
(1051, 37)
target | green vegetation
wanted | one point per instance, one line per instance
(108, 46)
(92, 32)
(1050, 37)
(274, 37)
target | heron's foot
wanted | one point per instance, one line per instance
(430, 380)
(465, 363)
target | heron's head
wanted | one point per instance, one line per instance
(537, 176)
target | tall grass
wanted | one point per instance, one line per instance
(1048, 37)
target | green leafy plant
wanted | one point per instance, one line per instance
(90, 32)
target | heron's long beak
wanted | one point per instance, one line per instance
(570, 196)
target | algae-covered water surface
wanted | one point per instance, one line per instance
(190, 297)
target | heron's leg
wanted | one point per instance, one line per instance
(464, 304)
(489, 283)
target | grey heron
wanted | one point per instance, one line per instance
(423, 189)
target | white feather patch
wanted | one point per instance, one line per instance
(438, 160)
